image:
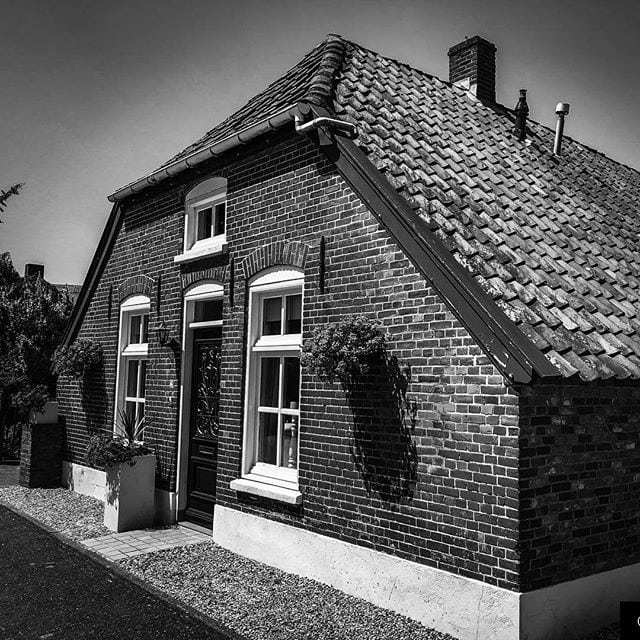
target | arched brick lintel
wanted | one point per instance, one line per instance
(217, 274)
(276, 253)
(135, 285)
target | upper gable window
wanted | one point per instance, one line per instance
(205, 220)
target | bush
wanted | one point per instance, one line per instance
(33, 399)
(344, 350)
(107, 451)
(77, 358)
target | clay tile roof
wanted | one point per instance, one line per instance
(311, 79)
(553, 240)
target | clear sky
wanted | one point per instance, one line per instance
(95, 94)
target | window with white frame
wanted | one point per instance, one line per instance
(133, 354)
(205, 220)
(270, 453)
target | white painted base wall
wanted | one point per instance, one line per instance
(84, 480)
(467, 609)
(92, 482)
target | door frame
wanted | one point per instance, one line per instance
(202, 290)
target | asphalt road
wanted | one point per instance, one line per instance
(50, 590)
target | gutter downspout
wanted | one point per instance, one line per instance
(342, 125)
(269, 123)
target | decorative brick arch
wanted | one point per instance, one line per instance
(217, 274)
(135, 285)
(276, 253)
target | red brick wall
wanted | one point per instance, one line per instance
(452, 501)
(150, 236)
(436, 485)
(579, 481)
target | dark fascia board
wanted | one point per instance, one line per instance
(516, 357)
(96, 268)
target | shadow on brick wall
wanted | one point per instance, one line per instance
(384, 420)
(94, 400)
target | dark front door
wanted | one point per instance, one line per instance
(203, 433)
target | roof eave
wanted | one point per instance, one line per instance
(269, 123)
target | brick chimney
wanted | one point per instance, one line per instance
(33, 270)
(472, 65)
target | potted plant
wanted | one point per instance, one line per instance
(344, 351)
(130, 468)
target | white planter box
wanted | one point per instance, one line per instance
(130, 495)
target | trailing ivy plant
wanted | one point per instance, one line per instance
(77, 358)
(344, 351)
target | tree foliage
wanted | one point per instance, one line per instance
(5, 195)
(77, 358)
(33, 314)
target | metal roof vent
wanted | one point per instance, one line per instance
(562, 110)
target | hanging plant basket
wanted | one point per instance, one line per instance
(344, 351)
(76, 359)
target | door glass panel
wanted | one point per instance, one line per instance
(207, 310)
(291, 383)
(294, 314)
(267, 434)
(132, 378)
(271, 317)
(207, 391)
(204, 223)
(269, 371)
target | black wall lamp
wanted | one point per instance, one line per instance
(162, 331)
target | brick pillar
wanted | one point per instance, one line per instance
(472, 64)
(41, 455)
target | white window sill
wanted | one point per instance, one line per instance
(136, 349)
(197, 253)
(264, 490)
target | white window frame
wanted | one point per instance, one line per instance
(268, 480)
(132, 306)
(210, 193)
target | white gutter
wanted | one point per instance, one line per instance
(269, 123)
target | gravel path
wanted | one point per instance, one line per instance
(255, 600)
(78, 517)
(264, 603)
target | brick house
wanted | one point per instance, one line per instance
(500, 498)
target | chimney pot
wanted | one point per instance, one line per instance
(521, 111)
(33, 270)
(472, 65)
